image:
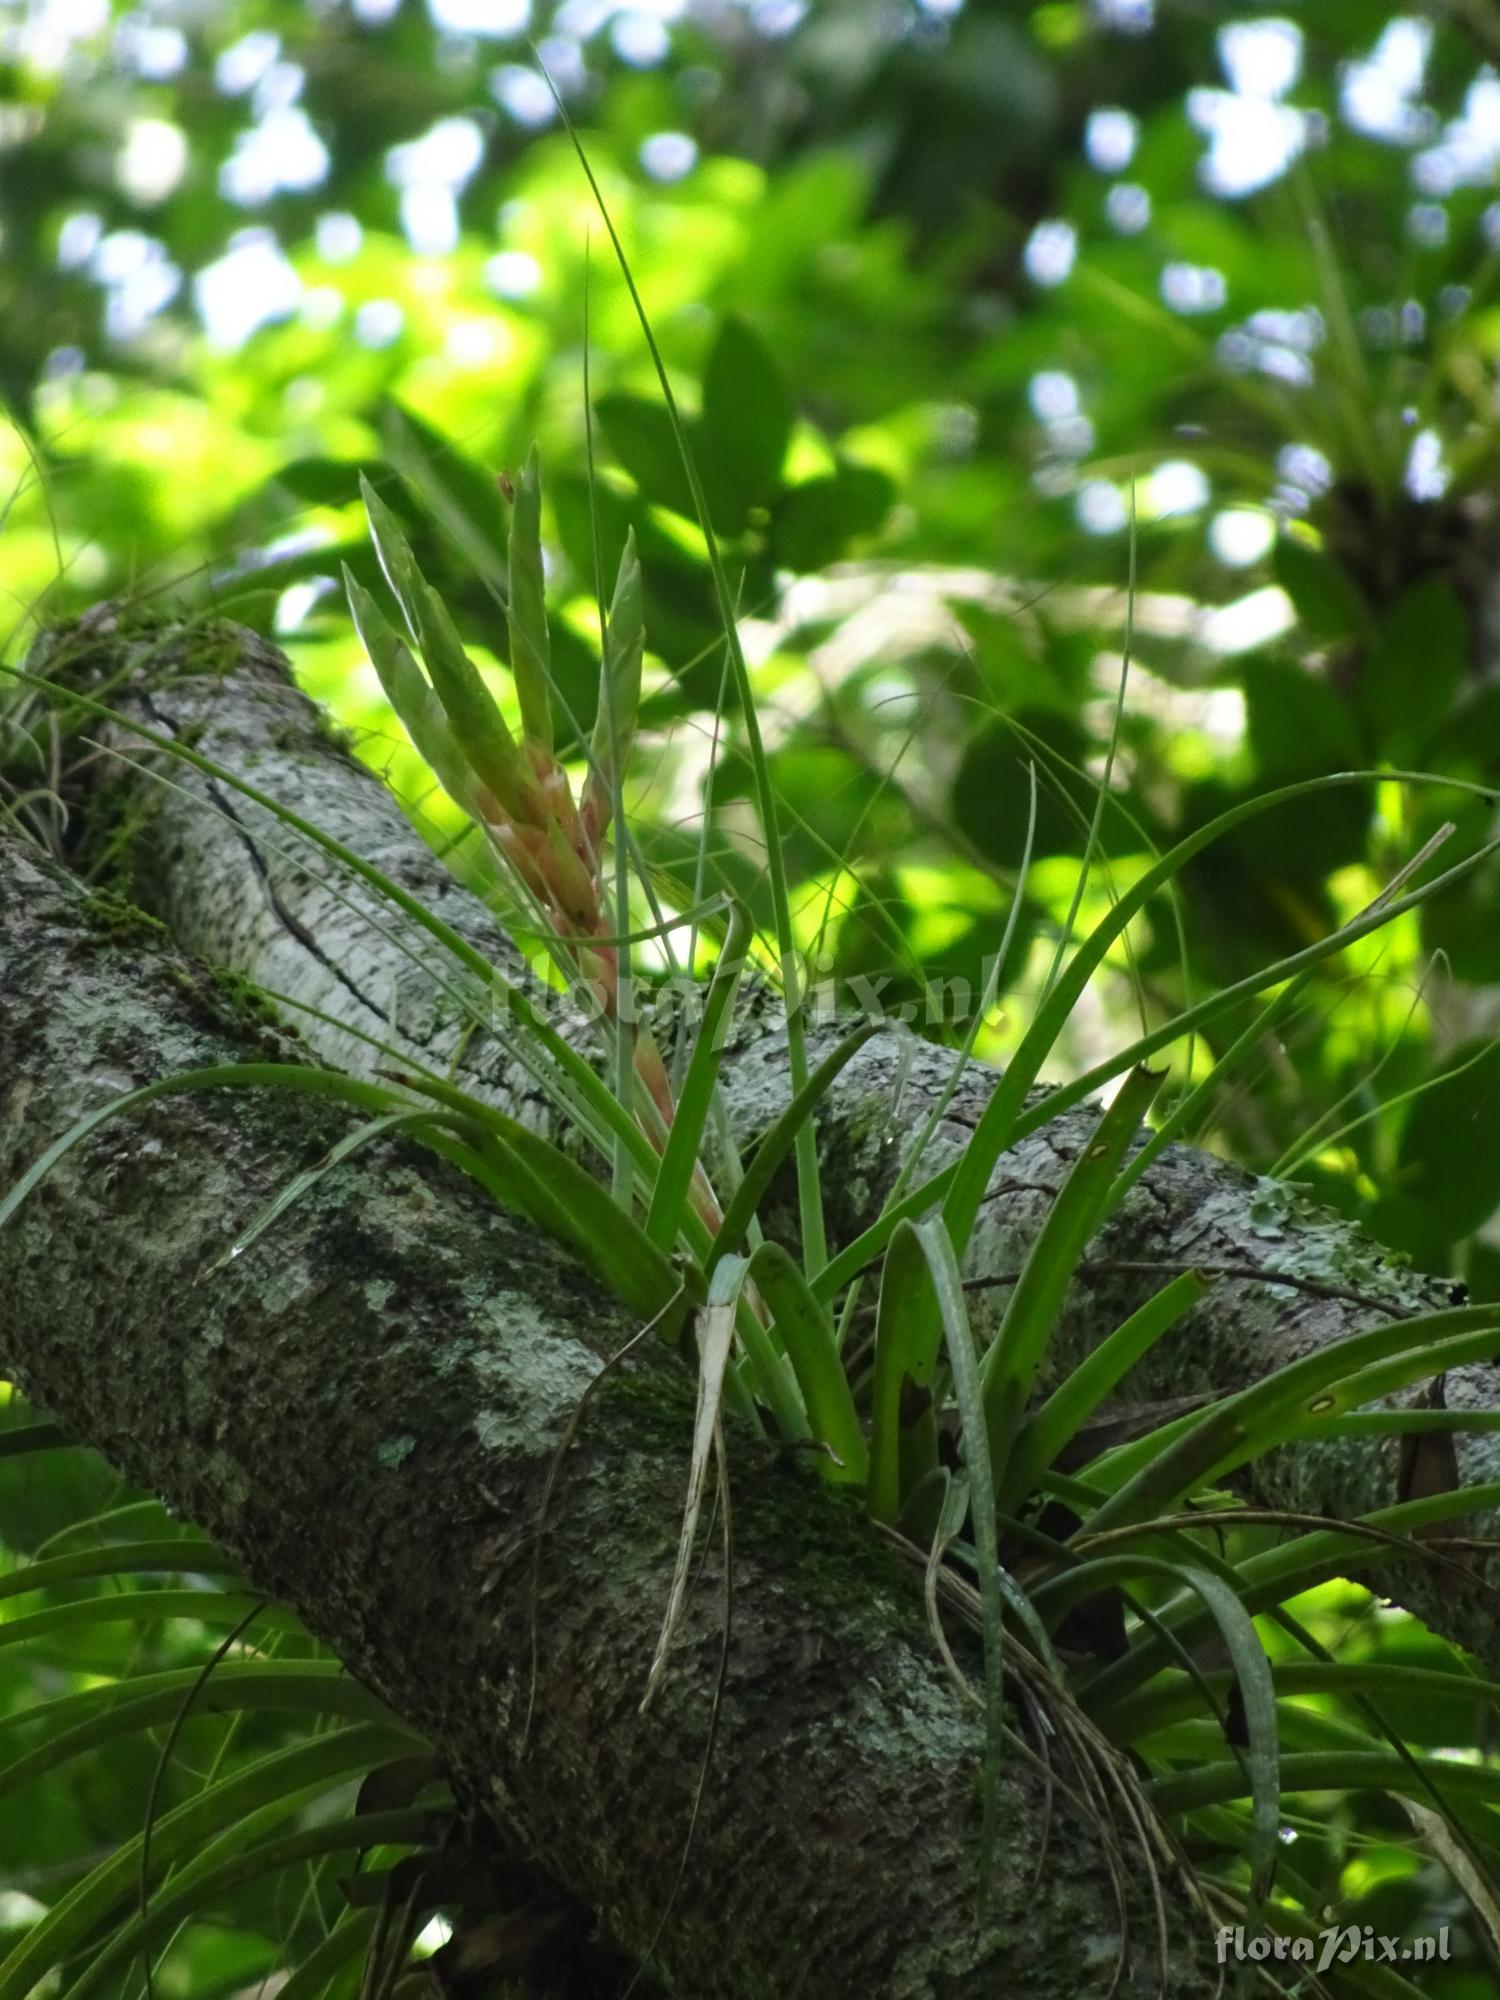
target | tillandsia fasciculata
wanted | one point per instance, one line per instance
(518, 792)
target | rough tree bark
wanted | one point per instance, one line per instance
(365, 1413)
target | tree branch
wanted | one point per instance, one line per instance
(236, 889)
(364, 1409)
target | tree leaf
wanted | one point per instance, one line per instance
(1449, 1152)
(815, 523)
(746, 425)
(641, 435)
(1327, 601)
(1414, 669)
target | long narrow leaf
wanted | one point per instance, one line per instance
(69, 1924)
(996, 1129)
(808, 1337)
(302, 1184)
(934, 1244)
(349, 1937)
(204, 1882)
(810, 1203)
(181, 1555)
(1168, 1701)
(1015, 1357)
(714, 1324)
(76, 1724)
(127, 1607)
(965, 1054)
(1237, 1426)
(674, 1176)
(784, 1134)
(1274, 1577)
(568, 1201)
(530, 640)
(908, 1339)
(1326, 1771)
(1258, 1698)
(1076, 1398)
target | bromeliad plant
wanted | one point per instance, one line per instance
(517, 792)
(978, 1461)
(976, 1456)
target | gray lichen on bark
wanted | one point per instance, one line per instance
(365, 1416)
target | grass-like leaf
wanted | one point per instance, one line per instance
(72, 1921)
(126, 1607)
(568, 1202)
(1075, 1399)
(301, 1184)
(679, 1160)
(1240, 1426)
(908, 1339)
(73, 1724)
(178, 1554)
(1010, 1368)
(998, 1127)
(987, 998)
(519, 1166)
(930, 1241)
(714, 1323)
(782, 1137)
(530, 639)
(1328, 1771)
(1171, 1700)
(1007, 1120)
(314, 1082)
(349, 1938)
(814, 1242)
(1252, 1670)
(206, 1879)
(1272, 1578)
(808, 1336)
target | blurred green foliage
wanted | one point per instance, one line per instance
(953, 295)
(977, 310)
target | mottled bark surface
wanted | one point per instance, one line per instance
(236, 888)
(365, 1411)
